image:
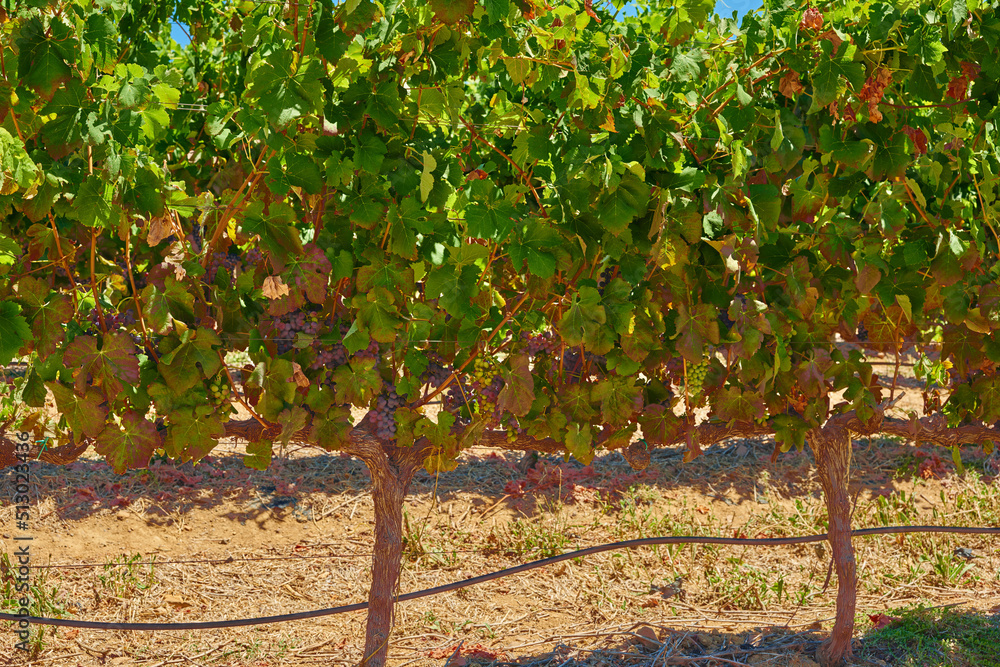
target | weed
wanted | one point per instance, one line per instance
(521, 539)
(43, 599)
(123, 577)
(944, 565)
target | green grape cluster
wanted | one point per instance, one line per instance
(218, 390)
(484, 371)
(696, 374)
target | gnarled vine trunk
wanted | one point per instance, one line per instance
(832, 448)
(392, 469)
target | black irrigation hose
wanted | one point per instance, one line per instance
(628, 544)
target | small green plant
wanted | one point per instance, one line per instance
(947, 569)
(526, 538)
(123, 576)
(44, 599)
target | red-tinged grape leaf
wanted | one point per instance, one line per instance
(357, 382)
(574, 400)
(42, 241)
(32, 292)
(579, 441)
(518, 392)
(292, 421)
(868, 277)
(115, 362)
(14, 331)
(452, 11)
(619, 438)
(732, 404)
(128, 446)
(695, 329)
(48, 322)
(183, 367)
(83, 414)
(193, 433)
(159, 305)
(258, 455)
(332, 429)
(620, 399)
(659, 424)
(639, 340)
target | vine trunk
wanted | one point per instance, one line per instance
(392, 469)
(832, 448)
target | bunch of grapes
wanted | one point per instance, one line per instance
(437, 372)
(330, 357)
(862, 332)
(543, 343)
(253, 257)
(696, 374)
(383, 413)
(218, 390)
(112, 321)
(370, 352)
(221, 260)
(285, 329)
(607, 275)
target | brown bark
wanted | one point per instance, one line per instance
(392, 469)
(832, 448)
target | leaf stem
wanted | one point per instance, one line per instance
(135, 297)
(93, 281)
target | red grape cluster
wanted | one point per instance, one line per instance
(285, 329)
(112, 321)
(222, 260)
(542, 343)
(437, 372)
(383, 413)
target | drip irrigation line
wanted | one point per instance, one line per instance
(437, 590)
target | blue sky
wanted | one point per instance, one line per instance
(723, 7)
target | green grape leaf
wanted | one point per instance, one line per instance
(331, 428)
(172, 301)
(292, 421)
(357, 382)
(92, 204)
(128, 445)
(195, 357)
(277, 234)
(258, 454)
(193, 433)
(14, 331)
(34, 393)
(579, 441)
(84, 414)
(620, 399)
